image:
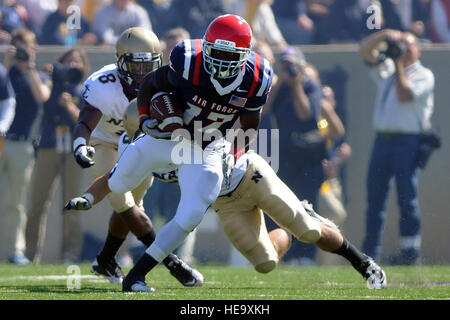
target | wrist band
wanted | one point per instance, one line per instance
(80, 141)
(89, 197)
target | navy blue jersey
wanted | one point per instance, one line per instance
(205, 99)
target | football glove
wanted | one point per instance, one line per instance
(150, 127)
(83, 154)
(79, 203)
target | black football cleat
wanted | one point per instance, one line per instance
(109, 269)
(187, 276)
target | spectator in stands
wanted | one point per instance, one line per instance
(348, 20)
(90, 8)
(403, 110)
(38, 12)
(54, 158)
(196, 15)
(331, 200)
(17, 162)
(405, 15)
(295, 102)
(293, 20)
(258, 13)
(57, 31)
(7, 105)
(171, 38)
(114, 18)
(13, 16)
(440, 21)
(162, 15)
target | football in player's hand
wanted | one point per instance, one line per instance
(165, 108)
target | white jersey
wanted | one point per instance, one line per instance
(104, 91)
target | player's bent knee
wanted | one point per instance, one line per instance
(188, 219)
(266, 267)
(310, 236)
(213, 179)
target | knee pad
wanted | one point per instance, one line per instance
(211, 182)
(121, 202)
(189, 215)
(310, 236)
(266, 267)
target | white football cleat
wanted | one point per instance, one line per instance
(135, 285)
(140, 286)
(376, 277)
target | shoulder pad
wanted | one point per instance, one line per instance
(258, 75)
(101, 87)
(185, 58)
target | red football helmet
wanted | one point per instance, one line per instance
(226, 46)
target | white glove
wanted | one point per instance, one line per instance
(150, 127)
(80, 203)
(83, 154)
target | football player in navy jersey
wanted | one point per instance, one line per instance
(221, 84)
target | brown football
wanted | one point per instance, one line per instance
(165, 107)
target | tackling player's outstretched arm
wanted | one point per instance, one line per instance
(95, 193)
(87, 121)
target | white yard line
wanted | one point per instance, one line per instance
(50, 277)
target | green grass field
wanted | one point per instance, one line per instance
(50, 282)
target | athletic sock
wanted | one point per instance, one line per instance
(142, 267)
(148, 239)
(111, 247)
(352, 254)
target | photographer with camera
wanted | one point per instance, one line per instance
(403, 109)
(54, 158)
(18, 152)
(295, 103)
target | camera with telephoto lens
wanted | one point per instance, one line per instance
(292, 69)
(22, 54)
(395, 48)
(66, 75)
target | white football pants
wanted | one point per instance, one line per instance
(199, 177)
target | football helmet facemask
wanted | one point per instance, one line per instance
(226, 46)
(138, 52)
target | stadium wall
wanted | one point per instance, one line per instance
(343, 69)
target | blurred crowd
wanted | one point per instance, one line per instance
(100, 22)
